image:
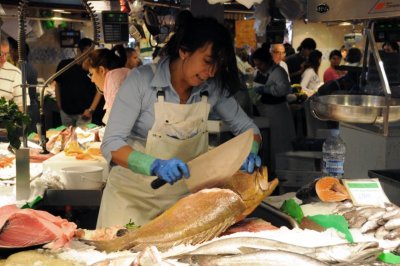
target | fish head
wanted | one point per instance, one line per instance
(350, 253)
(247, 185)
(253, 188)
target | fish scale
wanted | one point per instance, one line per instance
(194, 240)
(192, 219)
(240, 245)
(260, 258)
(198, 217)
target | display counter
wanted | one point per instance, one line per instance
(60, 160)
(77, 198)
(78, 206)
(390, 181)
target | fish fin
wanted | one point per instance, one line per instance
(262, 178)
(201, 237)
(272, 185)
(368, 255)
(246, 250)
(116, 244)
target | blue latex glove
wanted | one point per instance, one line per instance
(253, 161)
(170, 170)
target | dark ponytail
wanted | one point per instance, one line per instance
(120, 51)
(109, 59)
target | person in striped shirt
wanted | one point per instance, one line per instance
(10, 77)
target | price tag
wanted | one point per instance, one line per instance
(366, 192)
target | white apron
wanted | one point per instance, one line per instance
(179, 130)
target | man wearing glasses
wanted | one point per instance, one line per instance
(10, 77)
(278, 55)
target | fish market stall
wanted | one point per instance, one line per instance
(40, 173)
(55, 187)
(211, 223)
(216, 224)
(192, 236)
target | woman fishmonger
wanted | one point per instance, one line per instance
(158, 121)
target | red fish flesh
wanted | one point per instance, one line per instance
(27, 227)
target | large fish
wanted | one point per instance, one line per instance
(191, 220)
(198, 217)
(363, 251)
(259, 258)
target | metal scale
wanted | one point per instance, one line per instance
(369, 122)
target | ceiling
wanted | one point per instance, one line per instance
(232, 6)
(45, 3)
(76, 12)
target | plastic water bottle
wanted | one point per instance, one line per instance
(333, 155)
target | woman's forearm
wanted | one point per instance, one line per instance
(121, 155)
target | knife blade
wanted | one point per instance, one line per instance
(215, 166)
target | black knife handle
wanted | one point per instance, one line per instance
(157, 183)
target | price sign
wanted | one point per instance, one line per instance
(115, 26)
(366, 192)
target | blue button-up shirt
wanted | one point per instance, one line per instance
(132, 113)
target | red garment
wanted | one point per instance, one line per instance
(330, 74)
(124, 6)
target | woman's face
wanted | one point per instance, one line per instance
(198, 66)
(335, 60)
(388, 49)
(132, 61)
(97, 76)
(344, 53)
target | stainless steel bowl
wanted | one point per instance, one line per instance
(364, 109)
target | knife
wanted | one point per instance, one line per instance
(157, 183)
(217, 165)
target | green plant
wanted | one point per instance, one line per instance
(12, 119)
(131, 225)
